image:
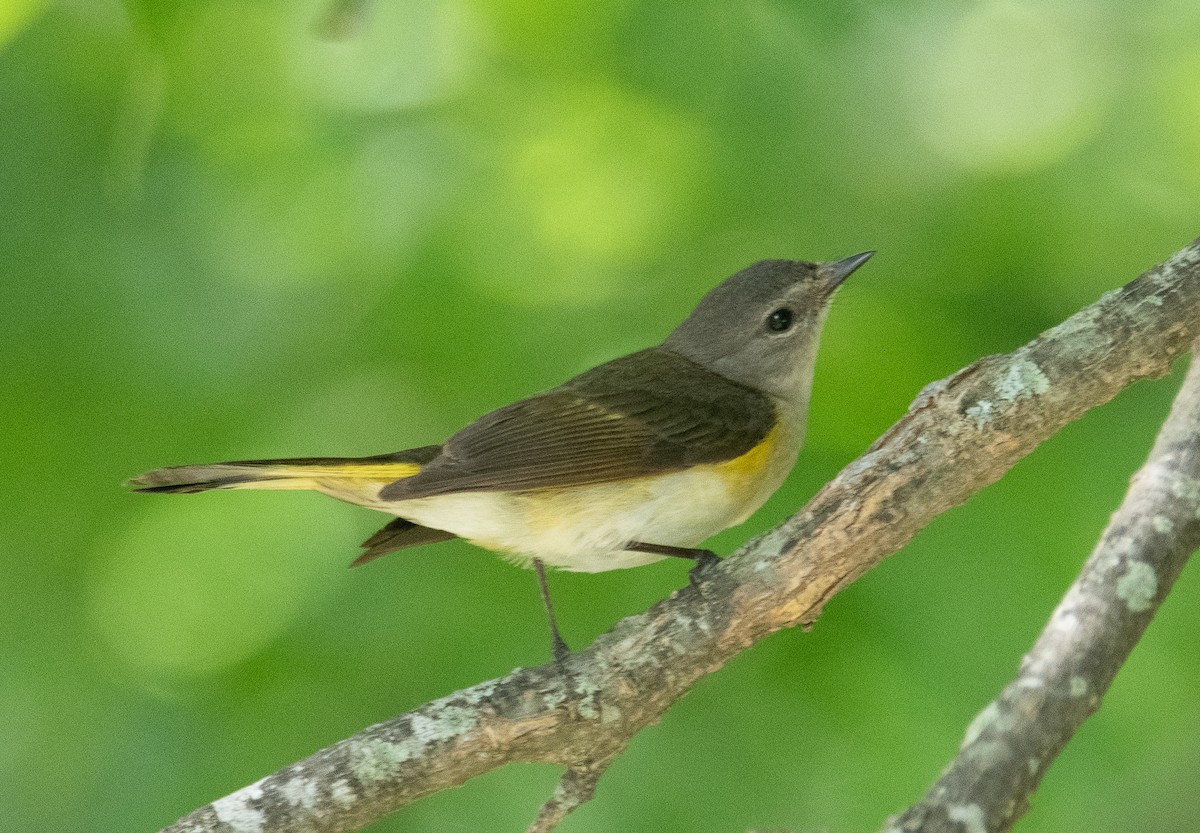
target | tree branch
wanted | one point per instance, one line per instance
(961, 434)
(1012, 742)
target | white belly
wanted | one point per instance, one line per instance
(586, 528)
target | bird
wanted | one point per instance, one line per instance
(641, 458)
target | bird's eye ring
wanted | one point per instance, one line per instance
(780, 320)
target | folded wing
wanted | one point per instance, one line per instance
(642, 414)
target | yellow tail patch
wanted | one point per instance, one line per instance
(382, 472)
(341, 477)
(353, 483)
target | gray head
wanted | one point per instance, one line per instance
(761, 326)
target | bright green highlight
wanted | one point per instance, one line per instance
(165, 603)
(1006, 86)
(15, 15)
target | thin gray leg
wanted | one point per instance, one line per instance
(557, 644)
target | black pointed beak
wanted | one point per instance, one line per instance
(839, 270)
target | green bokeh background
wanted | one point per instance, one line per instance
(225, 234)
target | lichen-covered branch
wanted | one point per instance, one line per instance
(961, 434)
(1009, 746)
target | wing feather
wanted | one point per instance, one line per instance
(642, 414)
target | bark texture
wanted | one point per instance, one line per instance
(1010, 744)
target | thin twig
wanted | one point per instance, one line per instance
(577, 787)
(961, 434)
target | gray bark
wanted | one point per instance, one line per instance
(1010, 744)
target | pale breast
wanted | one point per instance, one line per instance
(585, 528)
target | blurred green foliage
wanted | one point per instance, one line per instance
(251, 229)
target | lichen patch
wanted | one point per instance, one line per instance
(970, 816)
(1138, 586)
(1024, 378)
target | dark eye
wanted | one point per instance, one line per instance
(779, 320)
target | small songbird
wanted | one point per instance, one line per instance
(642, 457)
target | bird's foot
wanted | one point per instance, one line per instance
(705, 560)
(559, 647)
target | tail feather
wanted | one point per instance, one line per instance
(398, 535)
(182, 480)
(292, 473)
